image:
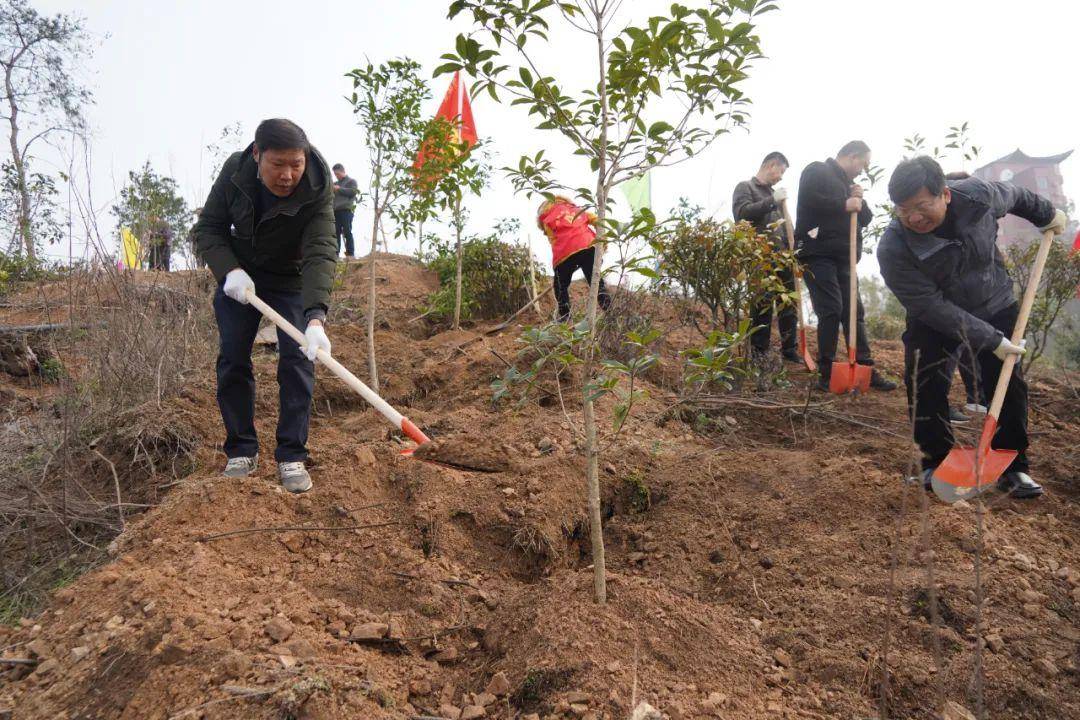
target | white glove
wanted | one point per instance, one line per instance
(237, 283)
(1057, 224)
(1006, 348)
(316, 340)
(779, 195)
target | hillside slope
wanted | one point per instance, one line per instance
(749, 562)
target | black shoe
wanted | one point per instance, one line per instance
(880, 382)
(956, 417)
(1019, 485)
(823, 384)
(791, 356)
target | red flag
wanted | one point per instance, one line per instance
(457, 110)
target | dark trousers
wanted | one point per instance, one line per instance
(930, 397)
(158, 257)
(786, 320)
(564, 271)
(827, 280)
(343, 227)
(968, 366)
(237, 326)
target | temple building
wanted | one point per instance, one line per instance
(1038, 174)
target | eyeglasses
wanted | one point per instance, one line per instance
(920, 209)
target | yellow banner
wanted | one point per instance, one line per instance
(129, 251)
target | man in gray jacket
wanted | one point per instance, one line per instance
(345, 192)
(757, 200)
(939, 256)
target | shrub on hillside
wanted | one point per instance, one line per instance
(727, 267)
(1057, 288)
(494, 277)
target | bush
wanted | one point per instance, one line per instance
(494, 280)
(884, 327)
(1057, 288)
(725, 266)
(17, 268)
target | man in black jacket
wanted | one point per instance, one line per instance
(758, 201)
(940, 258)
(828, 196)
(268, 227)
(345, 192)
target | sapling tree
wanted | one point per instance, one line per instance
(41, 95)
(446, 169)
(660, 93)
(388, 102)
(152, 207)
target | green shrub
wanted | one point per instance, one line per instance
(17, 268)
(884, 327)
(725, 266)
(493, 277)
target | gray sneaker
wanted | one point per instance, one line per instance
(294, 476)
(241, 466)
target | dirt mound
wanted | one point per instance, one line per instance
(749, 560)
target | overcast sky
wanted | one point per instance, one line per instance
(169, 76)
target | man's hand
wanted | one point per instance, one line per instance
(237, 284)
(853, 205)
(779, 195)
(316, 339)
(856, 191)
(336, 186)
(1057, 224)
(1006, 348)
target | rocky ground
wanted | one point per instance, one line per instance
(756, 559)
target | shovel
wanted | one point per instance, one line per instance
(850, 376)
(966, 472)
(396, 419)
(804, 349)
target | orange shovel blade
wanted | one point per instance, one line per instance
(957, 478)
(848, 377)
(804, 350)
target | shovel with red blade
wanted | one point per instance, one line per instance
(396, 419)
(804, 349)
(850, 376)
(966, 471)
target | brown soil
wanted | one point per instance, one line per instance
(749, 560)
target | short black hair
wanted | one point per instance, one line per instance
(338, 166)
(854, 148)
(913, 175)
(775, 157)
(280, 134)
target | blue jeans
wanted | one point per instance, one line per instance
(237, 327)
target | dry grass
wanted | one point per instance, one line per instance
(98, 449)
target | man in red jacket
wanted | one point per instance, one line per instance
(570, 232)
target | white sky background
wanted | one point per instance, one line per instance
(171, 75)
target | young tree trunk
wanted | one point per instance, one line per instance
(457, 282)
(592, 453)
(20, 170)
(372, 369)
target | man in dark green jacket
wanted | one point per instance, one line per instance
(757, 201)
(267, 228)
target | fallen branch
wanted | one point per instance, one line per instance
(506, 323)
(18, 661)
(450, 581)
(293, 528)
(116, 485)
(49, 327)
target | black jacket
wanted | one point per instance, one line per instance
(956, 285)
(753, 201)
(293, 246)
(824, 189)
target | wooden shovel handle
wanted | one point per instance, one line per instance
(853, 282)
(1021, 324)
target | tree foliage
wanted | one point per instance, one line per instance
(148, 203)
(41, 95)
(1058, 287)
